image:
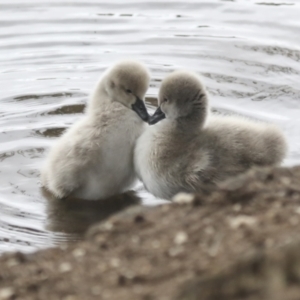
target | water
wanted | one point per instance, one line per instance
(53, 52)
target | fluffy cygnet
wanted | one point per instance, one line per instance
(94, 158)
(186, 151)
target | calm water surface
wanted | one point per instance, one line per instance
(53, 52)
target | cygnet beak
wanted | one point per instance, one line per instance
(140, 108)
(156, 117)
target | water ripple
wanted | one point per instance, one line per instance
(53, 52)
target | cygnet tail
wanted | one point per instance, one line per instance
(275, 148)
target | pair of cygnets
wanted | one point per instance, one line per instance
(185, 151)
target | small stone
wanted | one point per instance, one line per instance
(165, 207)
(139, 219)
(138, 290)
(269, 243)
(63, 247)
(96, 290)
(286, 181)
(102, 267)
(65, 267)
(12, 262)
(115, 262)
(155, 244)
(135, 240)
(237, 207)
(277, 205)
(275, 216)
(175, 251)
(128, 275)
(78, 252)
(206, 221)
(70, 297)
(108, 226)
(183, 198)
(242, 220)
(209, 230)
(180, 238)
(6, 293)
(294, 221)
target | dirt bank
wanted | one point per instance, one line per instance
(240, 242)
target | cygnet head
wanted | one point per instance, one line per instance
(182, 96)
(127, 83)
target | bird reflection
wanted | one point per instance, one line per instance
(73, 215)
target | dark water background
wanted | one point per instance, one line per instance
(53, 52)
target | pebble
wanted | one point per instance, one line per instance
(209, 230)
(135, 240)
(155, 244)
(294, 221)
(242, 220)
(269, 243)
(96, 290)
(6, 293)
(180, 238)
(175, 251)
(108, 226)
(65, 267)
(115, 262)
(237, 207)
(12, 262)
(70, 297)
(78, 252)
(183, 198)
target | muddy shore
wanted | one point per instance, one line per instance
(241, 241)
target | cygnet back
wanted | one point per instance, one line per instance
(186, 151)
(94, 158)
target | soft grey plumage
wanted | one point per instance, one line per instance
(188, 151)
(94, 158)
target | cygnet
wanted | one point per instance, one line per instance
(94, 158)
(188, 151)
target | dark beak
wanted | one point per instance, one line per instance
(140, 108)
(156, 117)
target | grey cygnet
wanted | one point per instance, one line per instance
(187, 150)
(94, 158)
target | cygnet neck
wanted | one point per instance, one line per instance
(99, 98)
(192, 122)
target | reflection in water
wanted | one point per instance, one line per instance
(68, 109)
(53, 95)
(6, 155)
(50, 132)
(73, 215)
(152, 101)
(274, 4)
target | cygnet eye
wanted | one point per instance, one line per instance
(165, 100)
(128, 91)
